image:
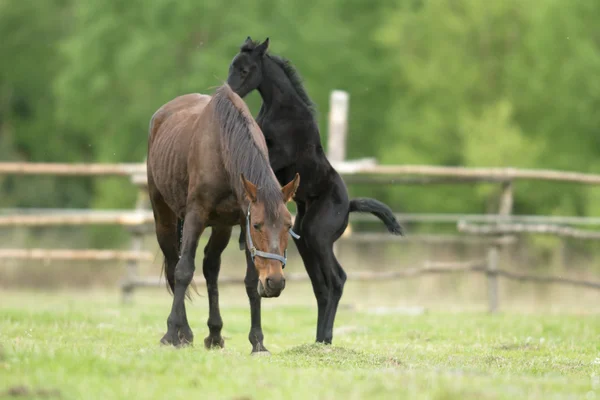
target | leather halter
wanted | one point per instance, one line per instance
(254, 252)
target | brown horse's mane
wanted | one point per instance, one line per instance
(244, 150)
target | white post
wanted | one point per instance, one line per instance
(336, 134)
(338, 126)
(506, 205)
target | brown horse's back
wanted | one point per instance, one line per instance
(169, 143)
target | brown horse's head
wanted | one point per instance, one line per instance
(267, 232)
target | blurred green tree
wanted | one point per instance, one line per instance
(31, 34)
(466, 82)
(508, 83)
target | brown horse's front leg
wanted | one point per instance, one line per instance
(178, 329)
(256, 334)
(219, 238)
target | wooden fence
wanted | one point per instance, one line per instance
(492, 230)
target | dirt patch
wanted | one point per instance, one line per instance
(518, 346)
(24, 391)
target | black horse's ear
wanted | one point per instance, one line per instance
(262, 48)
(247, 46)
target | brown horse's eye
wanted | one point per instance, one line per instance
(257, 226)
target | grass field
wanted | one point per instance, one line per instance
(88, 346)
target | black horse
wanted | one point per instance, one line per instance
(287, 120)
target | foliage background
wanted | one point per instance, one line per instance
(464, 82)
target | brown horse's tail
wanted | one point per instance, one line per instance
(171, 274)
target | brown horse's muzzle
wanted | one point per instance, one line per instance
(271, 286)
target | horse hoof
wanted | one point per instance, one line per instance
(167, 340)
(260, 352)
(214, 343)
(186, 337)
(264, 353)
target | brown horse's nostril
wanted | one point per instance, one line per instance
(275, 284)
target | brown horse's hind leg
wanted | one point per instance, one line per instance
(211, 266)
(165, 222)
(179, 331)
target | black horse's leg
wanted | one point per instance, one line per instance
(255, 336)
(323, 224)
(179, 331)
(319, 285)
(311, 264)
(336, 278)
(219, 238)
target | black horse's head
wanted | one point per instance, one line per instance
(246, 69)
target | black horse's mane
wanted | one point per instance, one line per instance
(295, 80)
(291, 73)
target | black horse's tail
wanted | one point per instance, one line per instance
(378, 209)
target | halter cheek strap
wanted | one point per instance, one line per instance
(254, 252)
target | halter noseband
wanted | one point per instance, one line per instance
(254, 252)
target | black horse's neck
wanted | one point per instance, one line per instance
(280, 91)
(288, 122)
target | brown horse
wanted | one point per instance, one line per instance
(208, 165)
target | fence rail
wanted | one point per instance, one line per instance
(477, 266)
(504, 229)
(83, 217)
(54, 216)
(345, 168)
(75, 255)
(64, 169)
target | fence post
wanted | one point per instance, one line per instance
(336, 133)
(137, 233)
(505, 209)
(338, 125)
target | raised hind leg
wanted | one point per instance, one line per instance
(312, 266)
(178, 328)
(322, 225)
(219, 238)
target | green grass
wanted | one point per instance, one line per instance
(88, 346)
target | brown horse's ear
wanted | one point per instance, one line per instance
(262, 48)
(289, 190)
(250, 189)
